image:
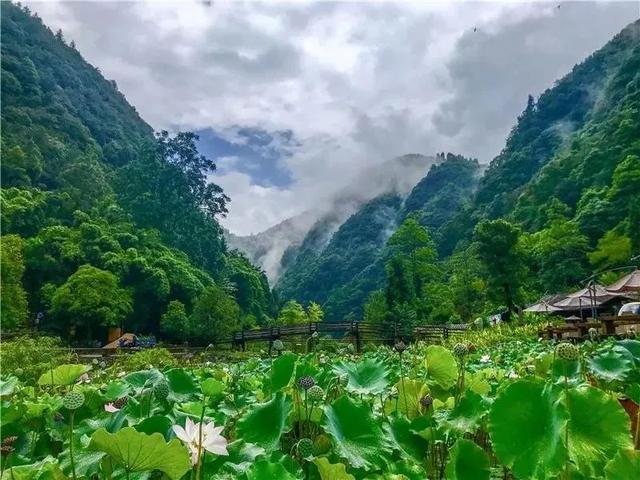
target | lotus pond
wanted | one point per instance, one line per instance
(518, 409)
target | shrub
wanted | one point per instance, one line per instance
(32, 356)
(158, 357)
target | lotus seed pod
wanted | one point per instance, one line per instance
(315, 393)
(321, 445)
(460, 350)
(73, 400)
(305, 448)
(94, 361)
(426, 401)
(593, 333)
(161, 390)
(18, 372)
(351, 348)
(278, 346)
(103, 364)
(400, 347)
(306, 382)
(567, 351)
(121, 402)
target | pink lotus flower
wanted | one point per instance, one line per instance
(212, 441)
(110, 408)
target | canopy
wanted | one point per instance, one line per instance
(593, 295)
(542, 307)
(628, 283)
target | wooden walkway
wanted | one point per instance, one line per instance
(605, 325)
(354, 332)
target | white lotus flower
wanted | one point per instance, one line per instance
(109, 407)
(212, 441)
(485, 359)
(513, 374)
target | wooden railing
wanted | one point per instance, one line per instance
(605, 325)
(356, 332)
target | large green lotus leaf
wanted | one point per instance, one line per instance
(467, 461)
(408, 401)
(266, 470)
(633, 346)
(368, 377)
(359, 439)
(182, 385)
(155, 424)
(526, 426)
(115, 390)
(143, 378)
(441, 366)
(264, 423)
(611, 365)
(400, 429)
(598, 428)
(282, 370)
(624, 466)
(212, 387)
(63, 374)
(139, 452)
(332, 471)
(241, 456)
(477, 382)
(467, 415)
(8, 386)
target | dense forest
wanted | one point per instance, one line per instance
(105, 223)
(108, 223)
(559, 202)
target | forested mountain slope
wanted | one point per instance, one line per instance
(103, 223)
(566, 185)
(341, 274)
(552, 127)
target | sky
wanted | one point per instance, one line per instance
(296, 101)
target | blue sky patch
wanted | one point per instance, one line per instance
(252, 151)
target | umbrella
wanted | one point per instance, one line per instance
(628, 283)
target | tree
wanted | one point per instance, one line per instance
(291, 314)
(499, 251)
(375, 310)
(314, 312)
(613, 250)
(215, 315)
(558, 254)
(175, 322)
(91, 297)
(13, 296)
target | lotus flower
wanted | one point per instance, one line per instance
(485, 359)
(212, 441)
(111, 408)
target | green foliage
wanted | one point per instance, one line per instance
(85, 182)
(215, 315)
(90, 297)
(174, 323)
(499, 250)
(291, 313)
(613, 250)
(29, 357)
(13, 296)
(157, 357)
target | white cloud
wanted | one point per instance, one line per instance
(357, 83)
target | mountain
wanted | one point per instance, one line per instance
(275, 248)
(546, 154)
(105, 223)
(341, 273)
(568, 179)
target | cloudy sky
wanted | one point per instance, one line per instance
(295, 100)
